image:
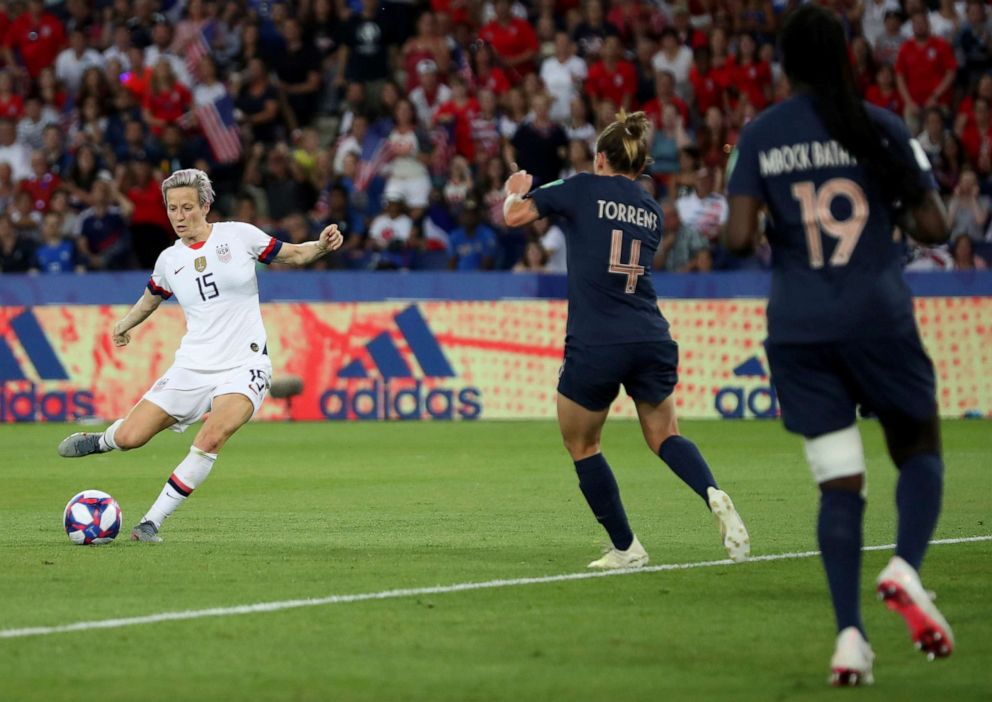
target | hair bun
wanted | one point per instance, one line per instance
(634, 125)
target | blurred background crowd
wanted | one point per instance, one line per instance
(399, 119)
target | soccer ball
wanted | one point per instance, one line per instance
(92, 517)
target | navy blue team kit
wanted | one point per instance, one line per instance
(615, 333)
(841, 331)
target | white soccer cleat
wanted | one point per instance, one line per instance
(852, 661)
(634, 557)
(732, 530)
(900, 588)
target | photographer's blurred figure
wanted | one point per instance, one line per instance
(683, 249)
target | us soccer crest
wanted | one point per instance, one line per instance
(224, 253)
(200, 264)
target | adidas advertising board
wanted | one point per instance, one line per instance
(438, 360)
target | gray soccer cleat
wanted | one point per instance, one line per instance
(80, 444)
(146, 531)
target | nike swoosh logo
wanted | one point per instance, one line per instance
(176, 272)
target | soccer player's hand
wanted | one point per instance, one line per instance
(519, 183)
(121, 337)
(330, 239)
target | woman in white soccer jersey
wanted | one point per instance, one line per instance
(222, 365)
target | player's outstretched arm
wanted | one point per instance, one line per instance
(740, 235)
(142, 309)
(516, 210)
(928, 222)
(302, 254)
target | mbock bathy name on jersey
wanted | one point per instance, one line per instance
(803, 157)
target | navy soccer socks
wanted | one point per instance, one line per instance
(684, 459)
(918, 494)
(601, 492)
(839, 533)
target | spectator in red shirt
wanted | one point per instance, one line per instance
(137, 78)
(883, 91)
(664, 90)
(11, 103)
(456, 10)
(426, 44)
(966, 108)
(150, 228)
(459, 112)
(752, 76)
(925, 71)
(513, 40)
(977, 138)
(486, 75)
(612, 78)
(706, 90)
(167, 100)
(724, 66)
(36, 37)
(41, 184)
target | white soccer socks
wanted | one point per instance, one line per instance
(107, 442)
(188, 476)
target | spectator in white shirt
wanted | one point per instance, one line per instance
(209, 87)
(73, 62)
(393, 228)
(13, 152)
(674, 57)
(562, 74)
(159, 48)
(430, 94)
(552, 240)
(873, 18)
(36, 117)
(118, 50)
(703, 209)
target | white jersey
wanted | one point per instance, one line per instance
(214, 282)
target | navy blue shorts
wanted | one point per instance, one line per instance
(592, 375)
(820, 386)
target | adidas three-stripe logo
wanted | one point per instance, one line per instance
(387, 358)
(35, 344)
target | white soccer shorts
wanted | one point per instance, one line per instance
(187, 395)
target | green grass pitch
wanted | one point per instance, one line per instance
(311, 510)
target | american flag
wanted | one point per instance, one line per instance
(198, 47)
(221, 129)
(367, 170)
(443, 141)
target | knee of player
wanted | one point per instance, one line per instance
(837, 460)
(130, 437)
(579, 448)
(210, 442)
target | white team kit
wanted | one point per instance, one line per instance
(224, 349)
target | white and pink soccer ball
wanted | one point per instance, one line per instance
(92, 517)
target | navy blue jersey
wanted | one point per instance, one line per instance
(836, 270)
(614, 228)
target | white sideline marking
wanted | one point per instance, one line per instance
(416, 591)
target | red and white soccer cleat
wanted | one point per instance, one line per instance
(900, 588)
(853, 660)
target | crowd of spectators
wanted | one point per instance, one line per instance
(399, 120)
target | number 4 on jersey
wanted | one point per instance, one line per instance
(631, 269)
